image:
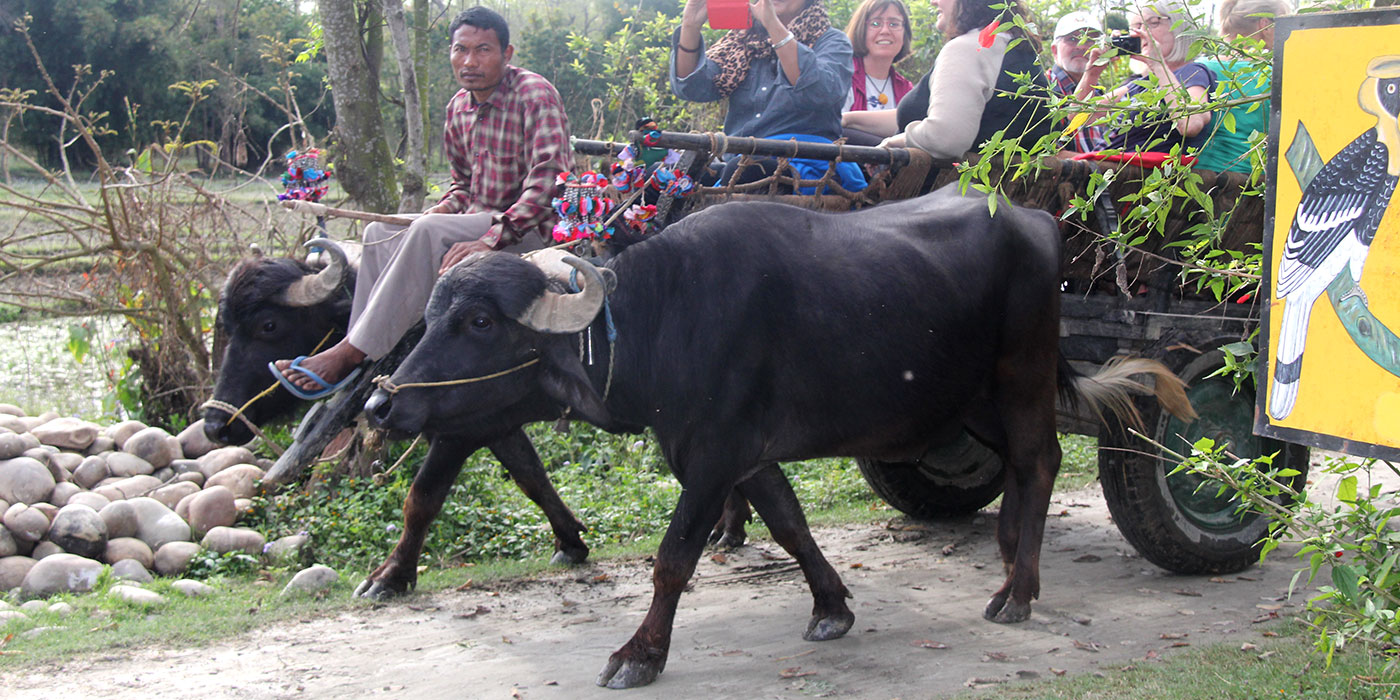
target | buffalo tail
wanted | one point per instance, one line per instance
(1115, 384)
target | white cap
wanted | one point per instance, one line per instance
(1075, 21)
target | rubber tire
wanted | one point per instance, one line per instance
(930, 489)
(1160, 523)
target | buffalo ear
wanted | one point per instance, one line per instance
(564, 380)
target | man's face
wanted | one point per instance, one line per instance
(1072, 50)
(477, 59)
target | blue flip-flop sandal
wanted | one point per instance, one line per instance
(326, 387)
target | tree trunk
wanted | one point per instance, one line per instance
(364, 165)
(423, 54)
(415, 162)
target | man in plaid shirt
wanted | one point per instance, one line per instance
(1075, 34)
(507, 138)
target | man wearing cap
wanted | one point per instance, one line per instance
(1075, 34)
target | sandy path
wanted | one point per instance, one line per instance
(738, 632)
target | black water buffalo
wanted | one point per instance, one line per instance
(754, 333)
(275, 308)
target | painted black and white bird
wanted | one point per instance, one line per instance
(1335, 223)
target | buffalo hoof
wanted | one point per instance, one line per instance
(377, 590)
(622, 673)
(730, 540)
(568, 557)
(1004, 611)
(823, 629)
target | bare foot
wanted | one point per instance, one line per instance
(331, 365)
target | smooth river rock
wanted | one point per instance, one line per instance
(223, 458)
(91, 471)
(156, 524)
(123, 548)
(13, 571)
(11, 445)
(153, 445)
(213, 507)
(232, 539)
(66, 433)
(25, 480)
(80, 530)
(124, 464)
(123, 430)
(313, 580)
(241, 479)
(172, 494)
(95, 501)
(121, 519)
(193, 442)
(173, 558)
(131, 570)
(60, 573)
(63, 491)
(25, 523)
(192, 588)
(135, 595)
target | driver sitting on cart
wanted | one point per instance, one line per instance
(507, 138)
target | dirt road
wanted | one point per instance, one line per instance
(919, 591)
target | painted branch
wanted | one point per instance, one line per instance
(317, 209)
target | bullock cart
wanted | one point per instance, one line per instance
(1116, 301)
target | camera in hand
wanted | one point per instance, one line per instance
(1126, 43)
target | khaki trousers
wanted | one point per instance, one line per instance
(398, 268)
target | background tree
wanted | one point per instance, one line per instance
(352, 33)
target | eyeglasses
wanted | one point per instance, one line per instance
(1150, 23)
(894, 24)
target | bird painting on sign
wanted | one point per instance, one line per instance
(1334, 226)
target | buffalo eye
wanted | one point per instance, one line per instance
(481, 323)
(269, 326)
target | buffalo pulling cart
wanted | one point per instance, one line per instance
(1116, 301)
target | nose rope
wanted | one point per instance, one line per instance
(382, 381)
(237, 412)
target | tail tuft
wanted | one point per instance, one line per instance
(1115, 384)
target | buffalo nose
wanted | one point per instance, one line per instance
(378, 407)
(215, 427)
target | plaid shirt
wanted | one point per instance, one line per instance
(506, 154)
(1088, 138)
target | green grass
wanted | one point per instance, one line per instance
(1282, 667)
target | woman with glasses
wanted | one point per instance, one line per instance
(1180, 87)
(881, 36)
(970, 95)
(784, 77)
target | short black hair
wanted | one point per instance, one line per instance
(482, 18)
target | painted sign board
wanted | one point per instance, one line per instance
(1329, 364)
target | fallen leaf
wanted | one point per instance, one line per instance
(1249, 647)
(719, 558)
(600, 578)
(975, 682)
(1027, 675)
(948, 549)
(480, 610)
(1217, 579)
(1087, 558)
(1087, 646)
(929, 644)
(1267, 654)
(788, 658)
(1186, 611)
(1268, 633)
(1246, 578)
(551, 682)
(995, 656)
(1151, 655)
(506, 640)
(795, 672)
(1187, 592)
(515, 693)
(1175, 635)
(466, 585)
(1269, 606)
(1265, 618)
(1058, 671)
(1179, 644)
(857, 565)
(738, 652)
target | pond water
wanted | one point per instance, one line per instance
(38, 371)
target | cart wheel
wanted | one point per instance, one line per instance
(956, 479)
(1170, 522)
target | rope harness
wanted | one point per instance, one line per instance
(382, 381)
(237, 411)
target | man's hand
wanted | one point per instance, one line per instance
(459, 251)
(439, 208)
(695, 15)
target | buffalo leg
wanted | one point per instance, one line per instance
(729, 531)
(643, 657)
(399, 572)
(1026, 404)
(771, 494)
(518, 456)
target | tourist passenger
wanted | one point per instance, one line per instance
(1075, 34)
(969, 95)
(786, 75)
(1177, 118)
(507, 139)
(1243, 75)
(881, 36)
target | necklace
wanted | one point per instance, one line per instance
(882, 99)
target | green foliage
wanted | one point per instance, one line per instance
(210, 564)
(1347, 531)
(618, 486)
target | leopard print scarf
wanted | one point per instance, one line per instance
(738, 49)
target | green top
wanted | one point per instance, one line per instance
(1226, 149)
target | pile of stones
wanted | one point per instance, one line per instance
(75, 496)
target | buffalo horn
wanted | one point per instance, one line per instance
(311, 290)
(568, 313)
